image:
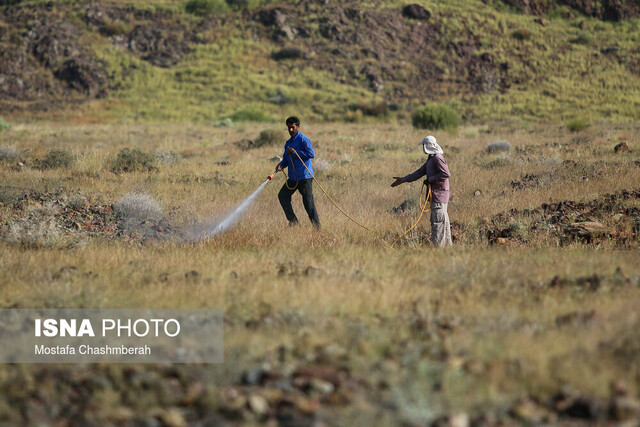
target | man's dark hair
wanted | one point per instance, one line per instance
(293, 120)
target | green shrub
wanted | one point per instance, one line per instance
(128, 160)
(379, 109)
(436, 117)
(205, 7)
(115, 27)
(292, 52)
(239, 4)
(249, 115)
(56, 159)
(269, 137)
(582, 38)
(577, 124)
(4, 125)
(353, 116)
(521, 34)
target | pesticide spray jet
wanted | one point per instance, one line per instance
(211, 228)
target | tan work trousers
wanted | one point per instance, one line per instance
(440, 226)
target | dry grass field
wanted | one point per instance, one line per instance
(527, 319)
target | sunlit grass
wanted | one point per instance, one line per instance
(344, 285)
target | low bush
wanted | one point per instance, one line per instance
(4, 125)
(137, 207)
(577, 124)
(379, 109)
(269, 137)
(288, 53)
(583, 39)
(56, 159)
(37, 229)
(205, 7)
(9, 153)
(498, 146)
(128, 160)
(167, 157)
(249, 115)
(521, 34)
(436, 117)
(115, 27)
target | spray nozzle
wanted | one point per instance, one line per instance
(270, 177)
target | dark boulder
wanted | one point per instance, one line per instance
(158, 46)
(415, 11)
(621, 148)
(84, 75)
(288, 53)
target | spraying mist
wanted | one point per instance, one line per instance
(210, 228)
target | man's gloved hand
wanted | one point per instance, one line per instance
(278, 168)
(397, 181)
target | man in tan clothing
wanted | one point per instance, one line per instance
(437, 172)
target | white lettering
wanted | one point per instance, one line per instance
(135, 328)
(51, 327)
(166, 327)
(86, 329)
(112, 326)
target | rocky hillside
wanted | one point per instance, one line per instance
(532, 59)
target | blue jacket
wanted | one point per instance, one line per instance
(302, 145)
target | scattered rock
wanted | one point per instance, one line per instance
(87, 76)
(375, 81)
(576, 406)
(259, 375)
(173, 418)
(454, 420)
(415, 11)
(159, 45)
(586, 231)
(575, 319)
(619, 388)
(590, 282)
(621, 148)
(279, 98)
(192, 276)
(276, 19)
(258, 404)
(530, 412)
(406, 205)
(541, 21)
(624, 408)
(302, 377)
(285, 53)
(528, 181)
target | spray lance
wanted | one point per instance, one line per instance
(270, 177)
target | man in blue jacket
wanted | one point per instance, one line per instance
(300, 177)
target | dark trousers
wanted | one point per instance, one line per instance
(306, 189)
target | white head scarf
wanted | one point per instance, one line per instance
(430, 146)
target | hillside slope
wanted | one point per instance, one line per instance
(325, 60)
